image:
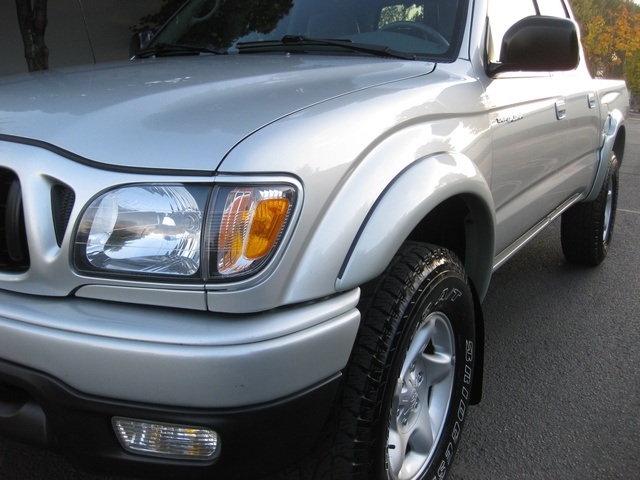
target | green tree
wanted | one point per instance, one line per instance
(632, 76)
(32, 19)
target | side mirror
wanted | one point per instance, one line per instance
(539, 44)
(139, 40)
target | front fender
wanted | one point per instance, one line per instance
(415, 192)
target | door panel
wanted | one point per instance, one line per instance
(529, 141)
(544, 134)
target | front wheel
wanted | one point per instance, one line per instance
(408, 383)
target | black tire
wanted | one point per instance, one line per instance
(418, 315)
(587, 228)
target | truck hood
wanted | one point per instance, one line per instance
(178, 113)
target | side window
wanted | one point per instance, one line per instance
(401, 13)
(552, 8)
(502, 15)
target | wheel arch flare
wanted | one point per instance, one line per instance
(453, 198)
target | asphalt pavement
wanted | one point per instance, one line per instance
(562, 368)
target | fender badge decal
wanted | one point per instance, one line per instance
(509, 118)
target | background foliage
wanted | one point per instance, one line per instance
(611, 39)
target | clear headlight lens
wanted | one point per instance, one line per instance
(148, 229)
(169, 230)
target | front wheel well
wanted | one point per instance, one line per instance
(450, 225)
(445, 226)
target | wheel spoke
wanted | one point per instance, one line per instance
(422, 438)
(418, 345)
(408, 451)
(438, 367)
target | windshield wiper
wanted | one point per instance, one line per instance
(301, 41)
(166, 49)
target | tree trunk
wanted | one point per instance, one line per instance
(32, 17)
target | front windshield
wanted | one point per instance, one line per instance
(424, 29)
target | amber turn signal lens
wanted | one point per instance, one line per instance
(266, 224)
(252, 222)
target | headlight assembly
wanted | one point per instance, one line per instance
(190, 232)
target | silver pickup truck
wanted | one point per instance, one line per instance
(261, 244)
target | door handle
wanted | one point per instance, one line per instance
(561, 109)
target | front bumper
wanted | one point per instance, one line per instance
(178, 357)
(255, 441)
(67, 366)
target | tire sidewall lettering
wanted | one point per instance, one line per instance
(461, 393)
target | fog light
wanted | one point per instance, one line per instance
(166, 439)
